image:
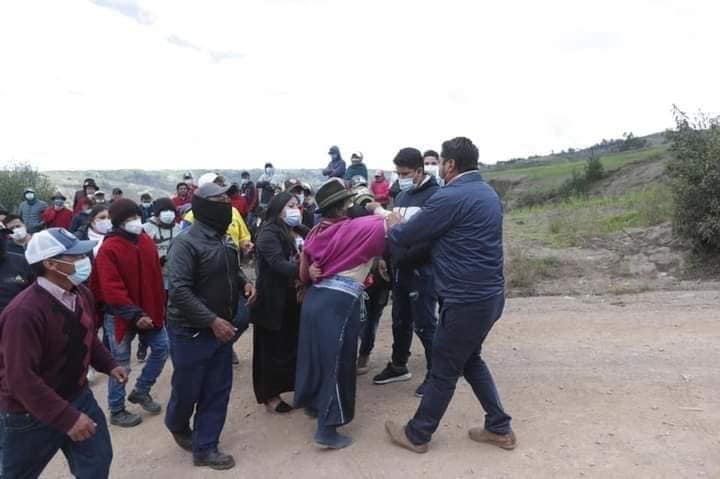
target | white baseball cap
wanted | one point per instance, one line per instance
(55, 242)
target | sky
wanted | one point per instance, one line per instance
(156, 84)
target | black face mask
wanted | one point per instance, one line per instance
(216, 215)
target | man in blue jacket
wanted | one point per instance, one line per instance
(336, 167)
(414, 296)
(464, 223)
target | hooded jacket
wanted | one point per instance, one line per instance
(336, 167)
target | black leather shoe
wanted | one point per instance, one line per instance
(214, 460)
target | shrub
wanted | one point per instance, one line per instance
(15, 178)
(695, 179)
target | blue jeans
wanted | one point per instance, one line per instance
(414, 306)
(28, 445)
(456, 352)
(201, 383)
(155, 339)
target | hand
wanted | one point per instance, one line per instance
(372, 206)
(119, 374)
(145, 323)
(250, 293)
(393, 219)
(246, 246)
(315, 272)
(223, 330)
(84, 428)
(382, 269)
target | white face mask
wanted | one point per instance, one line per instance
(19, 233)
(300, 198)
(167, 217)
(102, 226)
(29, 196)
(433, 170)
(133, 227)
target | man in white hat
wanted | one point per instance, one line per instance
(47, 342)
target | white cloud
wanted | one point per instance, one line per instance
(166, 84)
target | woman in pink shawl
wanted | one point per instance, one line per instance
(343, 249)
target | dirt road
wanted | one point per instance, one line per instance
(598, 387)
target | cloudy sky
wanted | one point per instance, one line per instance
(231, 84)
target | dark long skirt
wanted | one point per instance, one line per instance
(327, 351)
(275, 356)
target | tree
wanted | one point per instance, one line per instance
(695, 179)
(15, 178)
(594, 170)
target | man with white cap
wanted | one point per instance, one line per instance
(47, 342)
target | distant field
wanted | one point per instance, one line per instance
(548, 176)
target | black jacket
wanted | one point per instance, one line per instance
(15, 276)
(204, 278)
(407, 204)
(276, 274)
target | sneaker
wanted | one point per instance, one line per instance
(362, 365)
(235, 359)
(183, 439)
(145, 401)
(142, 354)
(392, 374)
(397, 434)
(420, 391)
(504, 441)
(214, 460)
(124, 418)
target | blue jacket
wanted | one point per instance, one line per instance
(336, 168)
(463, 220)
(356, 169)
(408, 204)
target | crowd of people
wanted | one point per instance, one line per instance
(81, 284)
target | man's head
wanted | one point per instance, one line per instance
(99, 197)
(356, 157)
(182, 190)
(269, 169)
(117, 193)
(294, 187)
(379, 175)
(17, 227)
(212, 206)
(431, 157)
(334, 153)
(188, 178)
(59, 256)
(244, 178)
(409, 168)
(308, 192)
(89, 186)
(458, 156)
(29, 195)
(146, 200)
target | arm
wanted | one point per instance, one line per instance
(112, 287)
(431, 222)
(22, 344)
(270, 249)
(181, 280)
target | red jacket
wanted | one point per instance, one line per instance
(381, 191)
(57, 219)
(178, 202)
(240, 203)
(129, 281)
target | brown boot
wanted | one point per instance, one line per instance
(503, 441)
(398, 436)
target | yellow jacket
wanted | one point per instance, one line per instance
(237, 230)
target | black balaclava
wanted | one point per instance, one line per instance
(215, 214)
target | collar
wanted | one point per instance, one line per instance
(461, 175)
(65, 297)
(205, 229)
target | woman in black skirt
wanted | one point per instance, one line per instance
(276, 313)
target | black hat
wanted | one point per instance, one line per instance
(162, 204)
(123, 209)
(89, 182)
(332, 192)
(117, 191)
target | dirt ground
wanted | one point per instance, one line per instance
(606, 387)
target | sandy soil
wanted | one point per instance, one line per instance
(624, 386)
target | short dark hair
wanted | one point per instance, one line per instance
(177, 187)
(269, 165)
(117, 191)
(145, 195)
(463, 151)
(432, 153)
(244, 174)
(409, 158)
(12, 217)
(96, 210)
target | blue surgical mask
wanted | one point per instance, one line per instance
(292, 217)
(83, 268)
(406, 184)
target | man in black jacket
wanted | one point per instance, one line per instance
(205, 283)
(414, 296)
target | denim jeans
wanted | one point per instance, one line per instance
(374, 306)
(414, 309)
(28, 445)
(456, 352)
(155, 339)
(201, 384)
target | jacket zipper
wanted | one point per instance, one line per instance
(227, 275)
